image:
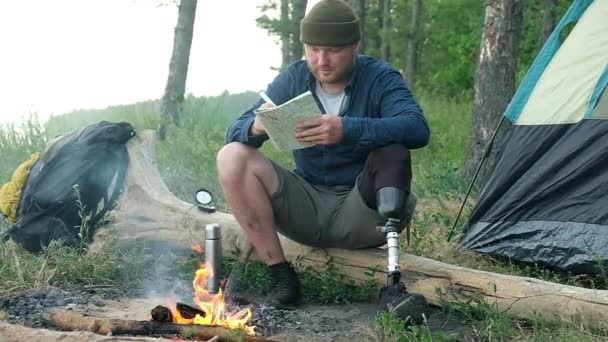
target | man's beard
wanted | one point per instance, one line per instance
(337, 76)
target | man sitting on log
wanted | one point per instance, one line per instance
(355, 177)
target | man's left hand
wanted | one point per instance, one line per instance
(325, 130)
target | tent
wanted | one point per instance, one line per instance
(546, 198)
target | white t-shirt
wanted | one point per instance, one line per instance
(331, 102)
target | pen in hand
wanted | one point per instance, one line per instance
(258, 128)
(265, 97)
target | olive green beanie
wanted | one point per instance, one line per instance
(330, 23)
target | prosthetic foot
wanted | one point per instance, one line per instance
(394, 297)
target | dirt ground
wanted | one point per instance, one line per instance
(310, 322)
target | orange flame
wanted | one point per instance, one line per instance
(213, 306)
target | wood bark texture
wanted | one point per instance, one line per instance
(19, 333)
(285, 35)
(73, 320)
(359, 9)
(173, 97)
(298, 10)
(494, 78)
(385, 46)
(412, 44)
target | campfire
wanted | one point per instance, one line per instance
(211, 307)
(209, 319)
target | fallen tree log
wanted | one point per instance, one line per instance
(18, 333)
(148, 211)
(72, 320)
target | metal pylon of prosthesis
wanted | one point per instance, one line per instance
(391, 228)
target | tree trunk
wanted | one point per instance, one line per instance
(549, 18)
(173, 98)
(494, 77)
(385, 48)
(149, 213)
(359, 9)
(298, 10)
(374, 41)
(412, 44)
(285, 36)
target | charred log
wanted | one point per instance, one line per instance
(72, 320)
(188, 311)
(162, 314)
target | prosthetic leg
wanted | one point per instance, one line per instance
(393, 297)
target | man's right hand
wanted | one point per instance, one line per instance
(258, 128)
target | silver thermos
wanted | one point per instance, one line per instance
(213, 256)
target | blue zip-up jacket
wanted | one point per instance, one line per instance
(379, 110)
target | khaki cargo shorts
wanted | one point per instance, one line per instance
(327, 217)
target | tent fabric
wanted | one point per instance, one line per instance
(601, 108)
(548, 179)
(546, 54)
(564, 91)
(596, 98)
(577, 247)
(544, 201)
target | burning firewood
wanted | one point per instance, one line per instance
(71, 320)
(163, 314)
(188, 311)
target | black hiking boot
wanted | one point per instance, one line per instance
(285, 289)
(407, 306)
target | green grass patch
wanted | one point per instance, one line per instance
(59, 265)
(492, 324)
(330, 287)
(327, 287)
(389, 328)
(17, 143)
(438, 168)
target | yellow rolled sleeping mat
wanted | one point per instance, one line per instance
(10, 194)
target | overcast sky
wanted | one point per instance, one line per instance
(61, 55)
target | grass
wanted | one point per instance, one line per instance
(17, 143)
(59, 266)
(389, 328)
(492, 324)
(327, 287)
(437, 168)
(330, 287)
(486, 322)
(186, 160)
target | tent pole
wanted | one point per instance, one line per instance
(483, 158)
